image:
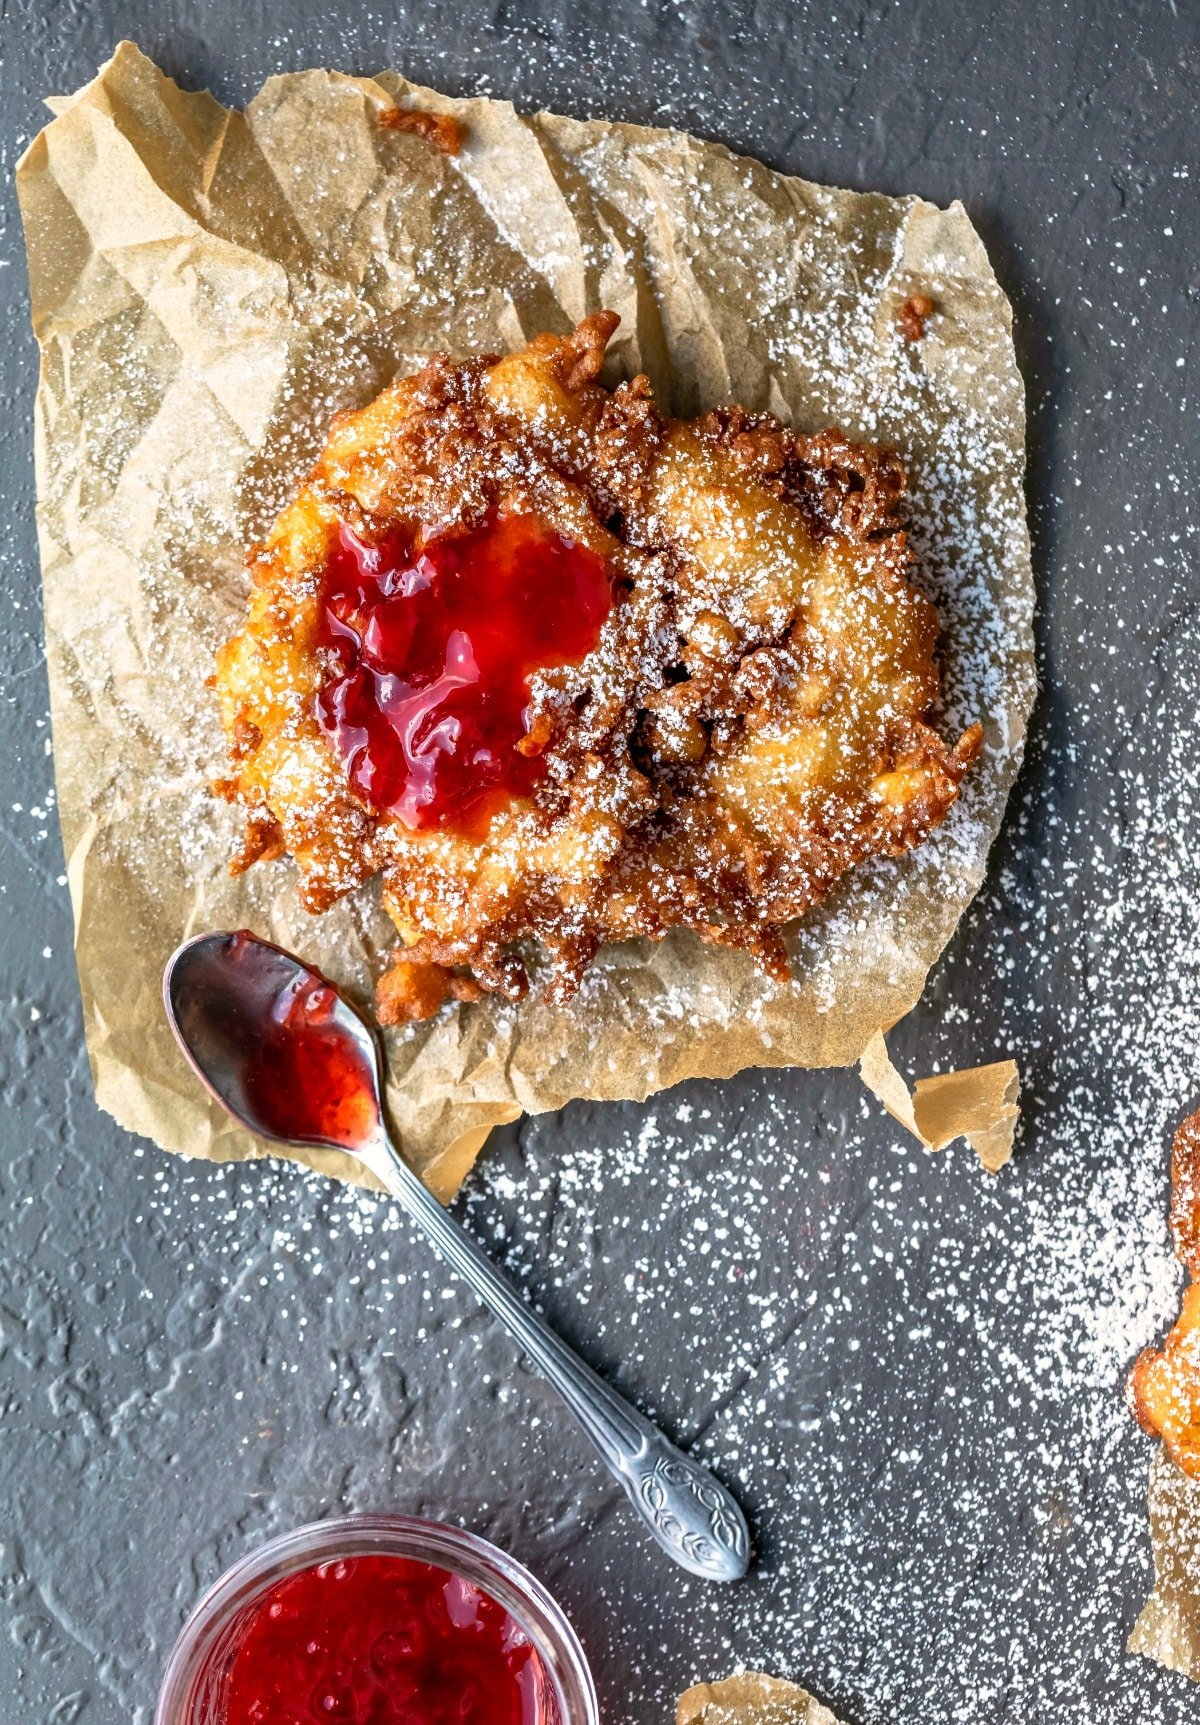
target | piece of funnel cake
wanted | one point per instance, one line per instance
(564, 670)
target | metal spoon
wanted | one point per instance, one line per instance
(223, 995)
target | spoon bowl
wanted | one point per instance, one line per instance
(239, 1006)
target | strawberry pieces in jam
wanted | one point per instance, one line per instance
(380, 1640)
(433, 648)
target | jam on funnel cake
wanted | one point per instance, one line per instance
(564, 670)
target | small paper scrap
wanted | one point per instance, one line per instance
(751, 1698)
(980, 1104)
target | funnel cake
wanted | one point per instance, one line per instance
(1164, 1385)
(564, 670)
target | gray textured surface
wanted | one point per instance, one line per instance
(913, 1375)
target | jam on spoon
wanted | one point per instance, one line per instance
(384, 1640)
(302, 1077)
(432, 649)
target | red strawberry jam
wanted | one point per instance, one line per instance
(433, 649)
(384, 1641)
(304, 1076)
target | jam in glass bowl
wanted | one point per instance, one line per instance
(377, 1620)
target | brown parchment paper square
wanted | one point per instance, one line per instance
(209, 286)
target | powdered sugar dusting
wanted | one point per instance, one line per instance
(913, 1373)
(407, 251)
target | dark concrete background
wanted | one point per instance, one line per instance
(912, 1374)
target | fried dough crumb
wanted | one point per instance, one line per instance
(912, 315)
(443, 131)
(410, 991)
(261, 842)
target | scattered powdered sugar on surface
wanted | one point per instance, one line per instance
(912, 1372)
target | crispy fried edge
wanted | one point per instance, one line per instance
(443, 131)
(1185, 1230)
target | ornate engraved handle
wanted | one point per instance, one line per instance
(689, 1513)
(687, 1510)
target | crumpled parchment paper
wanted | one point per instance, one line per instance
(209, 286)
(978, 1103)
(751, 1698)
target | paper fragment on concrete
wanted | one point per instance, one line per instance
(980, 1103)
(751, 1698)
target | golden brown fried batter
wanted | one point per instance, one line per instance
(913, 314)
(1185, 1194)
(1164, 1385)
(752, 722)
(443, 131)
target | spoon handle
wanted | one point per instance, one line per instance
(690, 1514)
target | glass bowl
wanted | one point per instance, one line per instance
(200, 1660)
